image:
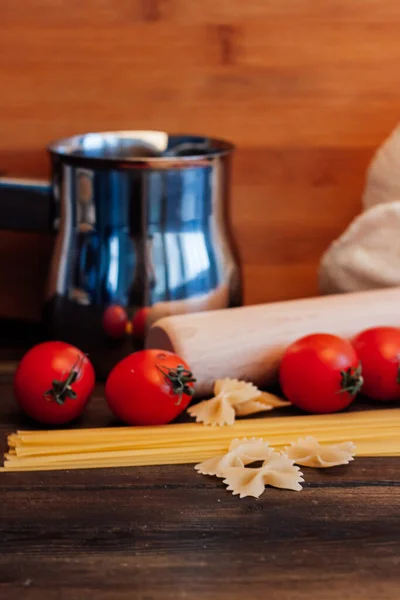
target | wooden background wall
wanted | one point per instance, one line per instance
(306, 89)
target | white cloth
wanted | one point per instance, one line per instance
(367, 255)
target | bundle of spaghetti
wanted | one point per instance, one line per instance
(375, 433)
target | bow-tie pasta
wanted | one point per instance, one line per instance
(307, 452)
(233, 398)
(262, 403)
(277, 470)
(241, 452)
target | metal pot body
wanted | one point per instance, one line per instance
(138, 227)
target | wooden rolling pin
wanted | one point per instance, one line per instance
(248, 342)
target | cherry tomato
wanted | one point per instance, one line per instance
(53, 383)
(115, 321)
(320, 373)
(149, 387)
(139, 322)
(379, 351)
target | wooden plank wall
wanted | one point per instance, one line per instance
(306, 89)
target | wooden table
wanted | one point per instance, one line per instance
(168, 533)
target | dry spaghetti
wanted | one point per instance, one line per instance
(376, 433)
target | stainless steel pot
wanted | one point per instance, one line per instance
(141, 221)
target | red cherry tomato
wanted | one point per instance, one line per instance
(379, 351)
(115, 321)
(139, 322)
(320, 373)
(150, 387)
(53, 383)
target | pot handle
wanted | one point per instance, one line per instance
(26, 205)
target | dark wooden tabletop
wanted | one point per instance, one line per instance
(168, 533)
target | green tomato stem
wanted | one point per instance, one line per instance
(178, 379)
(352, 380)
(61, 390)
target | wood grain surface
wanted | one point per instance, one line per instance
(160, 533)
(307, 90)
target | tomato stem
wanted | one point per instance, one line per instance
(178, 379)
(61, 390)
(352, 380)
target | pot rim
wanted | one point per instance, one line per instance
(141, 148)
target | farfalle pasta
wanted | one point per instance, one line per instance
(233, 398)
(239, 391)
(217, 411)
(265, 401)
(277, 470)
(308, 452)
(241, 452)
